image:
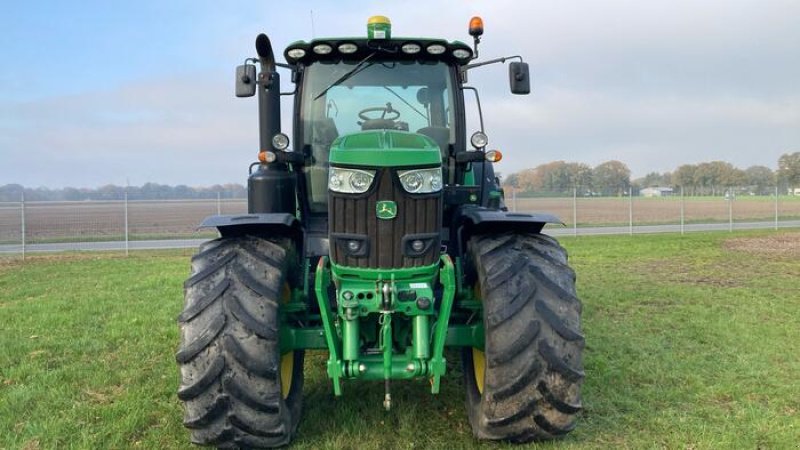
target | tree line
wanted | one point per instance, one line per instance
(148, 191)
(614, 178)
(553, 178)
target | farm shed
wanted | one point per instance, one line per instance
(656, 192)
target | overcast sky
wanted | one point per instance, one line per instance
(99, 92)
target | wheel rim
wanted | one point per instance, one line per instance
(287, 359)
(287, 372)
(478, 356)
(478, 368)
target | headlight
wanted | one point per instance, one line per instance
(479, 140)
(350, 181)
(421, 181)
(322, 49)
(280, 141)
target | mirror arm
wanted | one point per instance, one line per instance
(492, 61)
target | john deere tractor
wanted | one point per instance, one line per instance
(379, 235)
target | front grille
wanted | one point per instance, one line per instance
(353, 217)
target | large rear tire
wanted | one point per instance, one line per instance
(524, 385)
(237, 388)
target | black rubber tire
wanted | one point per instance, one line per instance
(229, 356)
(533, 344)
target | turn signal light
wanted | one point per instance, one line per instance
(494, 156)
(266, 157)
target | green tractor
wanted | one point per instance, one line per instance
(381, 236)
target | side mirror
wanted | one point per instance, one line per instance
(246, 80)
(519, 78)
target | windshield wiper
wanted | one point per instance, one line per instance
(358, 68)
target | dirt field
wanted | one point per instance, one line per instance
(784, 245)
(599, 211)
(82, 221)
(45, 221)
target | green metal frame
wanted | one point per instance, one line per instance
(368, 296)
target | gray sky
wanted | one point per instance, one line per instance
(99, 93)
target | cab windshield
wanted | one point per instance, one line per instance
(351, 96)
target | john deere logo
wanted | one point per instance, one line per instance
(386, 209)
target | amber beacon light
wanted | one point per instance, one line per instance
(476, 27)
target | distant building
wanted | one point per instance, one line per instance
(795, 191)
(656, 192)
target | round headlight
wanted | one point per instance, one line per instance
(436, 182)
(360, 181)
(347, 48)
(461, 53)
(322, 49)
(280, 141)
(412, 181)
(296, 53)
(335, 180)
(417, 245)
(411, 48)
(436, 49)
(479, 140)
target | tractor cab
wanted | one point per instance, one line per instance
(356, 87)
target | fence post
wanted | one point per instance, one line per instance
(683, 220)
(730, 209)
(776, 208)
(126, 222)
(575, 210)
(219, 207)
(514, 199)
(22, 221)
(630, 211)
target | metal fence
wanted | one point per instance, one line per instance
(629, 213)
(120, 224)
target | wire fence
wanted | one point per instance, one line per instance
(120, 224)
(674, 212)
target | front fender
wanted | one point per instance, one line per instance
(471, 220)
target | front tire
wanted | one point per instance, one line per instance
(524, 385)
(233, 377)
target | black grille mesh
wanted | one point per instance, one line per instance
(355, 215)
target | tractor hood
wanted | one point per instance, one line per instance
(385, 148)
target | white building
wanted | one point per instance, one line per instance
(656, 192)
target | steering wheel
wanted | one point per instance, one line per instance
(392, 113)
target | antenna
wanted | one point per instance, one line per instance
(313, 35)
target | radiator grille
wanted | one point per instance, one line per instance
(355, 215)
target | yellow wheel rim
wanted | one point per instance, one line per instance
(287, 371)
(478, 368)
(478, 357)
(287, 359)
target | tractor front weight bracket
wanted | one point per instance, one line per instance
(335, 366)
(424, 357)
(438, 365)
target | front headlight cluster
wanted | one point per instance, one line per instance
(421, 181)
(350, 181)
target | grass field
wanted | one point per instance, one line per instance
(692, 342)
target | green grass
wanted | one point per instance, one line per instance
(690, 344)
